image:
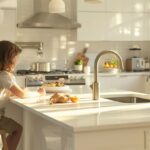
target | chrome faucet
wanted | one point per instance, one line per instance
(95, 85)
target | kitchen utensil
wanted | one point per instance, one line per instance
(135, 51)
(135, 64)
(41, 66)
(87, 69)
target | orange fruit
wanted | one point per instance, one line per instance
(74, 99)
(115, 66)
(107, 65)
(111, 66)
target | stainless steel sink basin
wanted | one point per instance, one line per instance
(130, 99)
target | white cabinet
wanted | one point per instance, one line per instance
(147, 5)
(139, 5)
(139, 30)
(128, 27)
(123, 139)
(147, 24)
(117, 20)
(147, 139)
(119, 26)
(93, 26)
(8, 4)
(83, 6)
(118, 5)
(127, 6)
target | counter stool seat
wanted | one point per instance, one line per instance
(3, 137)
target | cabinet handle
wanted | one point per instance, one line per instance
(145, 142)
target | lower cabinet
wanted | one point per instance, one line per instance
(120, 139)
(147, 139)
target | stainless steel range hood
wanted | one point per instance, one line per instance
(47, 20)
(35, 14)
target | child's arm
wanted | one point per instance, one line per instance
(24, 93)
(18, 91)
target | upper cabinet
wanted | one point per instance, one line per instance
(84, 6)
(127, 6)
(93, 26)
(117, 20)
(8, 4)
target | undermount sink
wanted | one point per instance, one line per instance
(130, 99)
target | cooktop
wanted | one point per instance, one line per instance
(30, 72)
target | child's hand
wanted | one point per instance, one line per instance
(41, 91)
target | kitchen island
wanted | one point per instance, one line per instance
(103, 124)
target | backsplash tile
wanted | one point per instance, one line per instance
(59, 45)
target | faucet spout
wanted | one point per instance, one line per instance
(95, 85)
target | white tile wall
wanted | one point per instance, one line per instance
(121, 47)
(55, 47)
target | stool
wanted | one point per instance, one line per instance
(3, 137)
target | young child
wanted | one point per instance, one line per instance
(9, 53)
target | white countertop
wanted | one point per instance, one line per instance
(90, 115)
(119, 74)
(107, 74)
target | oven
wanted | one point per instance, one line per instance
(34, 80)
(40, 79)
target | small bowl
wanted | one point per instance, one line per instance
(111, 70)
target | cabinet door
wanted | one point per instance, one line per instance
(85, 6)
(119, 26)
(105, 26)
(119, 5)
(139, 5)
(8, 4)
(147, 25)
(146, 132)
(125, 139)
(126, 5)
(139, 27)
(128, 26)
(147, 6)
(114, 20)
(115, 6)
(113, 26)
(93, 26)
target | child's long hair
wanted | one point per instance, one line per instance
(8, 51)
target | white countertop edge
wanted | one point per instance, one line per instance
(121, 74)
(113, 127)
(52, 120)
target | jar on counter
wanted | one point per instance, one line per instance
(87, 69)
